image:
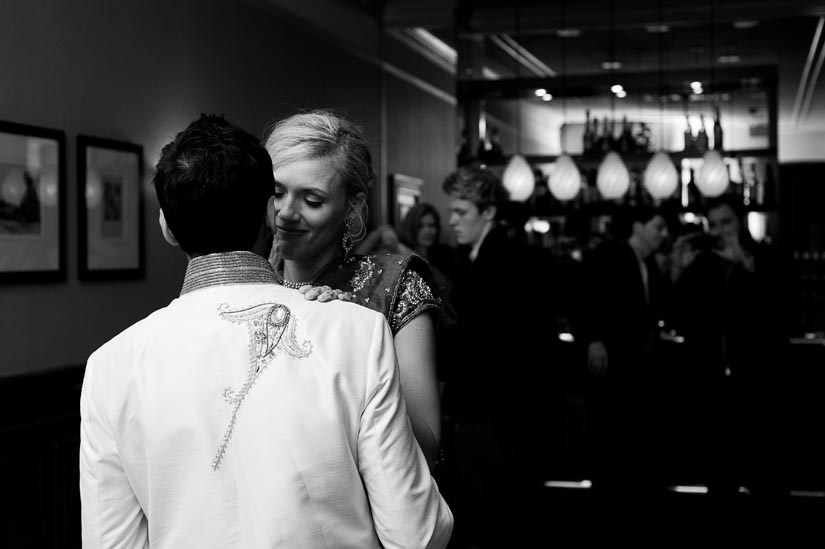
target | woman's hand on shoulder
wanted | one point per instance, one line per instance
(323, 293)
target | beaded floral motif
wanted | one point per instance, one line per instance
(414, 295)
(365, 271)
(271, 328)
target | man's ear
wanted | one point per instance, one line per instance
(167, 232)
(489, 213)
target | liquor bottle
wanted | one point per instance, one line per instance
(694, 195)
(747, 185)
(717, 131)
(607, 136)
(587, 138)
(701, 136)
(626, 138)
(643, 139)
(758, 196)
(690, 141)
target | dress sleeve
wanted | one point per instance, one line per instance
(110, 513)
(414, 297)
(407, 507)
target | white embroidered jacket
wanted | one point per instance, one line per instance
(242, 415)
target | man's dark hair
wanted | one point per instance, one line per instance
(213, 181)
(477, 184)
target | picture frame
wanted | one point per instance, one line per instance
(32, 203)
(110, 209)
(407, 191)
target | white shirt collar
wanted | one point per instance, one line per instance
(221, 269)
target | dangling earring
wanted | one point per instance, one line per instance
(346, 240)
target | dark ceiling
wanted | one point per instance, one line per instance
(520, 39)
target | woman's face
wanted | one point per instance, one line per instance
(427, 232)
(310, 207)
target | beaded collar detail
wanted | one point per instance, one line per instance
(223, 269)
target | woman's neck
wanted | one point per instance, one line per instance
(308, 270)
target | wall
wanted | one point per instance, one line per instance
(139, 72)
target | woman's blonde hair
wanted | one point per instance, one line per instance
(323, 134)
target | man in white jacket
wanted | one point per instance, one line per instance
(241, 414)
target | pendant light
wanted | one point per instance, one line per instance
(612, 178)
(660, 177)
(566, 180)
(713, 178)
(518, 176)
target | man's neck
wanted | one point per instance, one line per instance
(642, 250)
(477, 245)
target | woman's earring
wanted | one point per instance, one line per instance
(346, 239)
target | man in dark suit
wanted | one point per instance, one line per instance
(623, 297)
(493, 372)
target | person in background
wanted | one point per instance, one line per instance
(242, 415)
(420, 232)
(323, 174)
(624, 291)
(731, 302)
(492, 394)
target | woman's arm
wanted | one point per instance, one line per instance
(415, 347)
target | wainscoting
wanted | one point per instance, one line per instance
(40, 434)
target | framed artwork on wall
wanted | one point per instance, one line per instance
(32, 203)
(110, 209)
(406, 193)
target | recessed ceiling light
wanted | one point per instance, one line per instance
(657, 29)
(745, 24)
(611, 65)
(568, 33)
(727, 59)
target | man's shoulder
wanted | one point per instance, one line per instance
(136, 331)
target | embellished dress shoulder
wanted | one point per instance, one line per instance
(399, 286)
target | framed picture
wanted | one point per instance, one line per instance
(110, 209)
(32, 203)
(406, 193)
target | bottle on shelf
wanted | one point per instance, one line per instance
(701, 136)
(690, 140)
(626, 142)
(758, 193)
(598, 137)
(747, 185)
(694, 195)
(643, 139)
(587, 138)
(605, 137)
(717, 131)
